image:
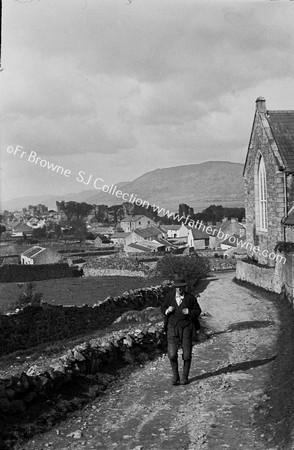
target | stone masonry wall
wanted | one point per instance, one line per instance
(259, 276)
(116, 263)
(49, 323)
(18, 392)
(279, 279)
(89, 272)
(217, 264)
(275, 194)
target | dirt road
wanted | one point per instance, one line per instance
(240, 395)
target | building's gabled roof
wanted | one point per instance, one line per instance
(155, 231)
(120, 235)
(42, 255)
(22, 228)
(46, 256)
(134, 218)
(282, 128)
(163, 242)
(142, 248)
(171, 227)
(31, 252)
(199, 234)
(103, 239)
(151, 244)
(234, 242)
(146, 233)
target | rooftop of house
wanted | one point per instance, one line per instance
(171, 227)
(282, 127)
(199, 234)
(22, 228)
(103, 239)
(120, 234)
(32, 251)
(134, 218)
(42, 255)
(148, 232)
(235, 242)
(163, 242)
(142, 248)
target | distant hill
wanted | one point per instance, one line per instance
(198, 185)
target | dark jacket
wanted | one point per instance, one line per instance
(175, 317)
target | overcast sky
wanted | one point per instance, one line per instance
(118, 89)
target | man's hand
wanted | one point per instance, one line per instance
(169, 310)
(185, 311)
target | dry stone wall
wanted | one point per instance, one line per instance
(18, 392)
(49, 323)
(115, 263)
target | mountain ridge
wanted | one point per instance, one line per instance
(198, 185)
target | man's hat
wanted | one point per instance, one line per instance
(179, 282)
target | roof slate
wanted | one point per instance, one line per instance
(282, 127)
(22, 227)
(199, 234)
(134, 218)
(139, 247)
(32, 251)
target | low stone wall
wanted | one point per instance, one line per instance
(49, 323)
(89, 272)
(217, 264)
(22, 392)
(264, 277)
(116, 263)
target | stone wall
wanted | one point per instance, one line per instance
(18, 392)
(279, 279)
(260, 145)
(259, 276)
(217, 264)
(116, 263)
(89, 272)
(49, 323)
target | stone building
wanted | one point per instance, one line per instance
(130, 223)
(40, 255)
(268, 175)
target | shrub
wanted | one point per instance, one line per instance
(29, 296)
(285, 247)
(190, 268)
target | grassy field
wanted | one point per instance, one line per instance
(76, 291)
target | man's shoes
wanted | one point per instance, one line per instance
(176, 376)
(186, 370)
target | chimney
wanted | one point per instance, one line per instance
(260, 104)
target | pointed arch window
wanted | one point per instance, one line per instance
(262, 196)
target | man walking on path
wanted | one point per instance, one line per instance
(181, 311)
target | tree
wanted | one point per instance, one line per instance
(190, 268)
(75, 210)
(79, 229)
(2, 229)
(40, 232)
(29, 296)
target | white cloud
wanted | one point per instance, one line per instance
(137, 87)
